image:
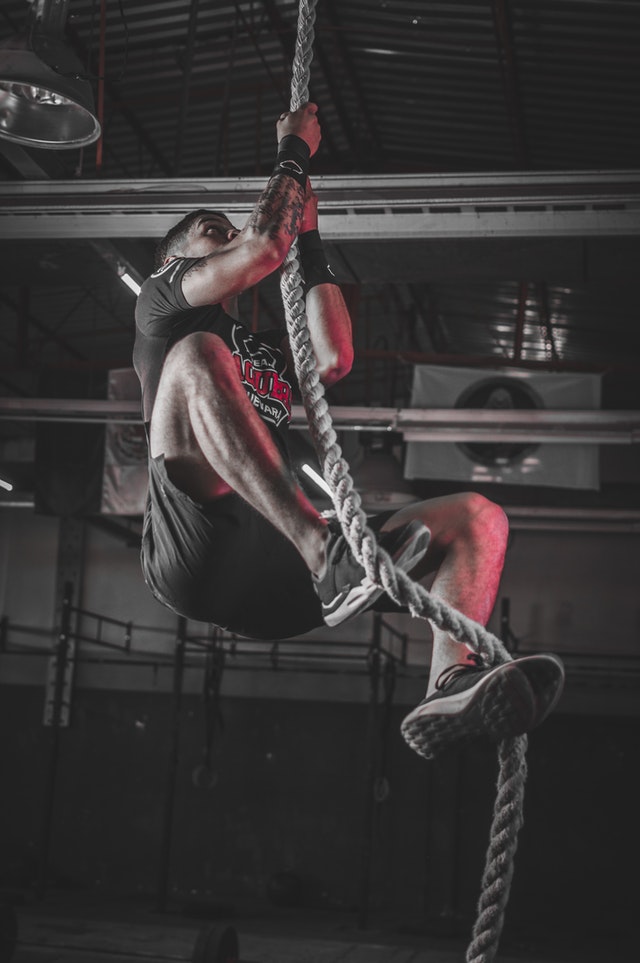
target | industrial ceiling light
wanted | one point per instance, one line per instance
(45, 101)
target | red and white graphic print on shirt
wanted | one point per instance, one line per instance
(262, 373)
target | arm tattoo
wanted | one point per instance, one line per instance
(279, 208)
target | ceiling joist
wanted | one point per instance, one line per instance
(569, 204)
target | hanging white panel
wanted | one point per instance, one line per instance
(559, 464)
(125, 476)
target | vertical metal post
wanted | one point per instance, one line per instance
(523, 291)
(369, 363)
(187, 69)
(255, 308)
(258, 168)
(58, 710)
(172, 768)
(221, 164)
(23, 326)
(370, 776)
(58, 688)
(442, 868)
(505, 605)
(507, 636)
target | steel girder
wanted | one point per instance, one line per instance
(506, 204)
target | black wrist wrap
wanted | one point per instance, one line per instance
(293, 158)
(314, 261)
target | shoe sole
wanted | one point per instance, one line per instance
(510, 700)
(363, 595)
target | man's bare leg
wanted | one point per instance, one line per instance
(465, 697)
(214, 442)
(466, 551)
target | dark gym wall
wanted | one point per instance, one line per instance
(289, 795)
(291, 761)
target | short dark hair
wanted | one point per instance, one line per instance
(173, 240)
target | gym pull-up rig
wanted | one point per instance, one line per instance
(84, 639)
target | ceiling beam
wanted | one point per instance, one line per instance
(355, 207)
(434, 424)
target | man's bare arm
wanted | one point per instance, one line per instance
(262, 244)
(328, 319)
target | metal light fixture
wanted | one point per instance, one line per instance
(45, 101)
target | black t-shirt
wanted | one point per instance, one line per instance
(163, 317)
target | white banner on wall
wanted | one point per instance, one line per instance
(125, 475)
(555, 465)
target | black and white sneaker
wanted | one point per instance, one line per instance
(345, 590)
(473, 700)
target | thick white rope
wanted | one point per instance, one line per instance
(507, 817)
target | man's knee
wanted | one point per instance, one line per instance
(482, 520)
(196, 351)
(199, 365)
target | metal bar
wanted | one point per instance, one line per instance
(347, 62)
(221, 161)
(55, 717)
(101, 80)
(500, 361)
(523, 288)
(510, 83)
(366, 857)
(172, 771)
(602, 664)
(393, 207)
(515, 436)
(546, 321)
(85, 613)
(334, 225)
(426, 309)
(186, 81)
(121, 105)
(504, 188)
(506, 633)
(443, 424)
(23, 326)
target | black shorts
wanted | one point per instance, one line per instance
(224, 563)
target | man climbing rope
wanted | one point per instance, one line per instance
(229, 537)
